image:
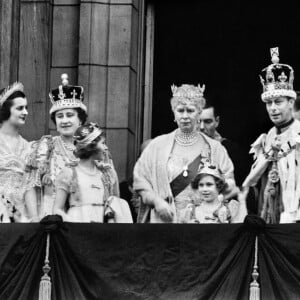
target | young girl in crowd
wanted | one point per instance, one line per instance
(211, 206)
(90, 189)
(17, 196)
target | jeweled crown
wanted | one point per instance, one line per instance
(86, 134)
(188, 91)
(66, 96)
(277, 79)
(210, 169)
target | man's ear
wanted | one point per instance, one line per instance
(217, 121)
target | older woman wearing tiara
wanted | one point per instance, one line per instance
(163, 173)
(91, 187)
(17, 197)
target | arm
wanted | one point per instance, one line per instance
(59, 204)
(143, 185)
(31, 205)
(63, 183)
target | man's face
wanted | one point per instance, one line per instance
(280, 109)
(208, 121)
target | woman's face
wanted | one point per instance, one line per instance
(186, 117)
(18, 112)
(67, 121)
(208, 188)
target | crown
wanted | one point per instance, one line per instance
(15, 87)
(210, 169)
(277, 79)
(188, 91)
(85, 134)
(66, 96)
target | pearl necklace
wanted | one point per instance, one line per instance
(69, 147)
(186, 139)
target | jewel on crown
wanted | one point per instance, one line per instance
(277, 79)
(210, 169)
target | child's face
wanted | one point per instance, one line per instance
(208, 188)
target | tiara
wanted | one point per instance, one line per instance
(188, 91)
(87, 134)
(16, 86)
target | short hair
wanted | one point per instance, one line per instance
(297, 102)
(8, 103)
(215, 109)
(220, 184)
(90, 149)
(82, 115)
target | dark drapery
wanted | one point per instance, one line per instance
(150, 261)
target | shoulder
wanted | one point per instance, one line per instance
(211, 141)
(162, 138)
(66, 173)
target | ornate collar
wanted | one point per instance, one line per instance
(284, 125)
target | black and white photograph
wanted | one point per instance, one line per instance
(149, 150)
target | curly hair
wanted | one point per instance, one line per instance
(9, 102)
(220, 184)
(82, 115)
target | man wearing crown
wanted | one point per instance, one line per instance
(275, 174)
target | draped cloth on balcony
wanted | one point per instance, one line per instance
(150, 261)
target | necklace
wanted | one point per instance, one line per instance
(186, 139)
(69, 147)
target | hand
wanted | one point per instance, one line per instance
(46, 179)
(164, 210)
(222, 214)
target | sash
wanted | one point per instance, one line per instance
(179, 183)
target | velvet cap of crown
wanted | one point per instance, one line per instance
(86, 134)
(277, 79)
(212, 170)
(66, 96)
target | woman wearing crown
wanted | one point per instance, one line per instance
(17, 197)
(163, 173)
(90, 189)
(51, 154)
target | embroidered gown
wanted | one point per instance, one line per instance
(14, 181)
(49, 157)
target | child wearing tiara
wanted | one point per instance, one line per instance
(210, 207)
(90, 189)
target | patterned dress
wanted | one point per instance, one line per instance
(49, 157)
(14, 180)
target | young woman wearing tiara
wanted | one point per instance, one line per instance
(17, 197)
(90, 189)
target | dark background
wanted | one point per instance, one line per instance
(223, 45)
